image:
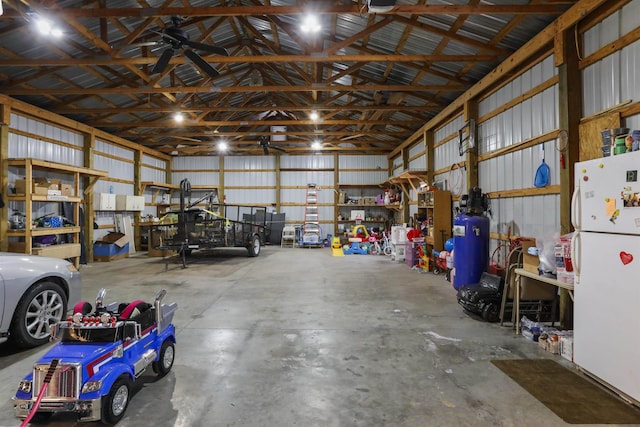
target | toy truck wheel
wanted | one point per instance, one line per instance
(254, 246)
(165, 362)
(45, 304)
(490, 313)
(41, 417)
(115, 403)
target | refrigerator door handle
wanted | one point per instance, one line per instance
(575, 208)
(575, 256)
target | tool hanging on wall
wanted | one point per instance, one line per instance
(561, 145)
(542, 173)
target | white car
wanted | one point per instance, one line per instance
(35, 293)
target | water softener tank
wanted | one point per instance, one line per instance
(471, 241)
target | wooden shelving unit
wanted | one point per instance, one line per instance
(378, 214)
(158, 189)
(21, 240)
(435, 207)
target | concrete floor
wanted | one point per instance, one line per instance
(296, 337)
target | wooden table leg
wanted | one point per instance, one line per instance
(516, 305)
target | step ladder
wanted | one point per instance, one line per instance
(311, 227)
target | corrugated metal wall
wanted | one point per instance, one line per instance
(31, 138)
(615, 78)
(498, 128)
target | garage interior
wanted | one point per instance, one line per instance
(389, 104)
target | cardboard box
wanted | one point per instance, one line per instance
(118, 239)
(39, 185)
(566, 347)
(20, 185)
(550, 342)
(66, 189)
(529, 262)
(104, 251)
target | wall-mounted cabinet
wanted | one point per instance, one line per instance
(57, 232)
(125, 202)
(104, 202)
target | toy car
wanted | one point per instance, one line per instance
(483, 298)
(100, 353)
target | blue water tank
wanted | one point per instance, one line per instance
(471, 248)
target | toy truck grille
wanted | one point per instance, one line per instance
(65, 383)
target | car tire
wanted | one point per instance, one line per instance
(254, 247)
(43, 305)
(165, 359)
(115, 403)
(490, 313)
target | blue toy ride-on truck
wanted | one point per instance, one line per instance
(100, 353)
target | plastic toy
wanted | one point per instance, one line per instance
(423, 263)
(97, 359)
(336, 247)
(355, 248)
(360, 231)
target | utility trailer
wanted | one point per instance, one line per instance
(207, 224)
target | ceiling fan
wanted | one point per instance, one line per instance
(265, 144)
(178, 39)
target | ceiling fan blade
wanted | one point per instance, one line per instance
(265, 149)
(201, 63)
(162, 63)
(206, 47)
(188, 139)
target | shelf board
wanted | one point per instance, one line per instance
(44, 164)
(43, 198)
(363, 221)
(45, 231)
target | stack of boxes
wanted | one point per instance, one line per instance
(44, 186)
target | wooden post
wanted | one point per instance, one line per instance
(570, 108)
(5, 118)
(89, 145)
(470, 112)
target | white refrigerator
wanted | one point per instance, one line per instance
(605, 249)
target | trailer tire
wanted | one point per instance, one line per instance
(254, 246)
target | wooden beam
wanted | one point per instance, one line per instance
(237, 89)
(255, 59)
(354, 9)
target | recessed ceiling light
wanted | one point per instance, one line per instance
(310, 25)
(46, 28)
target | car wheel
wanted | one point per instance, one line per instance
(165, 362)
(43, 305)
(254, 247)
(115, 403)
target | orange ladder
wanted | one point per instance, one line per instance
(311, 227)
